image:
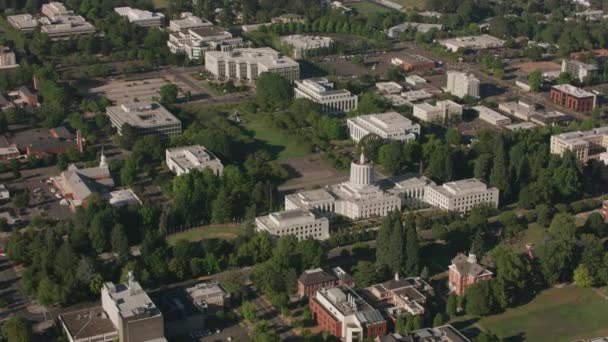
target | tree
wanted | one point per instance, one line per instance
(16, 329)
(221, 211)
(595, 224)
(248, 311)
(263, 333)
(563, 227)
(453, 137)
(120, 244)
(480, 299)
(543, 214)
(311, 253)
(556, 259)
(392, 157)
(21, 199)
(582, 277)
(273, 91)
(390, 243)
(565, 78)
(438, 320)
(451, 307)
(365, 273)
(128, 173)
(358, 60)
(168, 93)
(535, 79)
(412, 250)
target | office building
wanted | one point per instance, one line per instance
(146, 118)
(573, 98)
(389, 88)
(389, 126)
(248, 64)
(7, 58)
(414, 96)
(58, 22)
(187, 21)
(303, 44)
(579, 70)
(585, 145)
(465, 272)
(346, 315)
(310, 281)
(521, 126)
(396, 31)
(209, 298)
(492, 117)
(461, 84)
(140, 17)
(194, 42)
(444, 333)
(413, 62)
(481, 42)
(415, 80)
(25, 23)
(288, 18)
(461, 195)
(181, 160)
(441, 112)
(399, 296)
(301, 223)
(321, 91)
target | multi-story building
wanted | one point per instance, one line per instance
(444, 333)
(301, 223)
(59, 23)
(573, 98)
(345, 314)
(209, 298)
(586, 145)
(7, 58)
(415, 80)
(288, 18)
(310, 281)
(321, 91)
(24, 22)
(492, 117)
(465, 272)
(303, 44)
(461, 84)
(389, 126)
(389, 88)
(461, 195)
(395, 31)
(181, 160)
(399, 296)
(187, 21)
(248, 64)
(140, 17)
(441, 112)
(194, 42)
(146, 118)
(411, 62)
(481, 42)
(579, 70)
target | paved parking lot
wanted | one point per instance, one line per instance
(145, 89)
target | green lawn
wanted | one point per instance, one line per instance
(554, 315)
(368, 8)
(280, 144)
(410, 4)
(228, 231)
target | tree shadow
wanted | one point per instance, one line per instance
(519, 337)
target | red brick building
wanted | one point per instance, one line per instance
(465, 272)
(573, 98)
(414, 62)
(312, 280)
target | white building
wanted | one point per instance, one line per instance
(146, 118)
(492, 117)
(301, 223)
(59, 23)
(7, 58)
(389, 87)
(4, 193)
(415, 80)
(581, 71)
(441, 112)
(389, 126)
(181, 160)
(194, 42)
(586, 145)
(395, 31)
(521, 126)
(187, 21)
(321, 91)
(413, 96)
(481, 42)
(140, 17)
(461, 195)
(248, 64)
(123, 198)
(461, 84)
(303, 44)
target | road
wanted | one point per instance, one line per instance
(265, 311)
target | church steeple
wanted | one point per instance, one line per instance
(102, 160)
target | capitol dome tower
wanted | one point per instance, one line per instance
(361, 171)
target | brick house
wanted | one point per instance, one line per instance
(573, 98)
(315, 279)
(465, 272)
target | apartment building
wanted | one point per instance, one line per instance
(194, 42)
(573, 98)
(461, 195)
(181, 160)
(140, 17)
(492, 117)
(146, 118)
(441, 112)
(586, 145)
(465, 272)
(461, 84)
(581, 71)
(389, 126)
(248, 64)
(321, 91)
(302, 45)
(7, 58)
(301, 223)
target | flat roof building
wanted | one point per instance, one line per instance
(248, 64)
(413, 62)
(441, 112)
(573, 98)
(7, 58)
(415, 80)
(492, 117)
(146, 118)
(310, 281)
(59, 23)
(321, 90)
(481, 42)
(194, 42)
(444, 333)
(414, 96)
(123, 198)
(395, 31)
(188, 20)
(209, 297)
(389, 87)
(288, 18)
(23, 22)
(399, 296)
(586, 145)
(303, 44)
(140, 17)
(181, 160)
(461, 84)
(521, 126)
(581, 71)
(86, 325)
(301, 223)
(461, 195)
(389, 126)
